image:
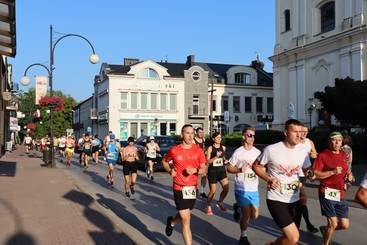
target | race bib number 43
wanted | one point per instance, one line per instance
(189, 192)
(289, 188)
(332, 194)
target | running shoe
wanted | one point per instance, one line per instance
(203, 195)
(236, 212)
(312, 229)
(169, 227)
(148, 174)
(127, 194)
(151, 177)
(221, 207)
(244, 241)
(132, 190)
(209, 211)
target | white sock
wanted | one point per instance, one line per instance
(243, 233)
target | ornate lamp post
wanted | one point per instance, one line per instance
(25, 80)
(310, 110)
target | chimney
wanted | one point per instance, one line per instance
(190, 61)
(130, 61)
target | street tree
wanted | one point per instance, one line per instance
(346, 101)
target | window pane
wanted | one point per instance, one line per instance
(134, 100)
(153, 101)
(328, 17)
(236, 104)
(143, 101)
(173, 102)
(287, 17)
(124, 100)
(247, 79)
(172, 128)
(259, 104)
(214, 105)
(163, 101)
(270, 105)
(248, 104)
(144, 129)
(225, 103)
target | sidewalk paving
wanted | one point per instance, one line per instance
(40, 205)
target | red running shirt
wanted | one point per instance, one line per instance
(328, 161)
(182, 159)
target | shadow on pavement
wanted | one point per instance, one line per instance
(8, 169)
(20, 238)
(122, 212)
(108, 235)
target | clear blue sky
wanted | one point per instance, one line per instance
(216, 31)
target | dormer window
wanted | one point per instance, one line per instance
(327, 16)
(242, 78)
(148, 73)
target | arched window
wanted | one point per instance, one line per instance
(148, 73)
(287, 19)
(328, 16)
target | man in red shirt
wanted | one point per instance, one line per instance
(188, 162)
(331, 169)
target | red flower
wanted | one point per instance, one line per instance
(55, 103)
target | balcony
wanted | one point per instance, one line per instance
(196, 113)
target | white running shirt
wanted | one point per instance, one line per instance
(306, 145)
(247, 181)
(364, 181)
(285, 164)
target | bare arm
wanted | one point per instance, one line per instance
(326, 174)
(361, 196)
(313, 153)
(260, 171)
(208, 153)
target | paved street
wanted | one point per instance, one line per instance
(50, 206)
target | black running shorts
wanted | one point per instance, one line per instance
(130, 168)
(181, 203)
(283, 213)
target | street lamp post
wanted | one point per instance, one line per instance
(211, 105)
(25, 80)
(310, 109)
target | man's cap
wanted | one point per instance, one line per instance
(151, 137)
(112, 136)
(335, 134)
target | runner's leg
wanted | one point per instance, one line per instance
(225, 187)
(186, 230)
(212, 190)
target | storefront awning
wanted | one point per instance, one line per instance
(7, 28)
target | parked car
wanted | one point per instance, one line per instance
(164, 142)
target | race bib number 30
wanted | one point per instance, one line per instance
(332, 194)
(189, 192)
(218, 162)
(289, 188)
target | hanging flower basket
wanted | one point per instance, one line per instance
(55, 103)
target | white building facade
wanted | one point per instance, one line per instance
(145, 100)
(316, 42)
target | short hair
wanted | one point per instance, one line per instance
(215, 135)
(186, 126)
(130, 139)
(248, 128)
(199, 128)
(290, 122)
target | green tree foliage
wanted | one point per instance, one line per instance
(63, 119)
(347, 100)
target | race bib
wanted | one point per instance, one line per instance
(332, 194)
(152, 154)
(189, 192)
(111, 156)
(87, 146)
(250, 175)
(218, 162)
(27, 141)
(289, 188)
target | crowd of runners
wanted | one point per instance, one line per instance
(285, 166)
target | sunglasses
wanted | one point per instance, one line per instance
(250, 135)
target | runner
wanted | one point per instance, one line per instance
(246, 181)
(70, 144)
(361, 195)
(130, 154)
(80, 148)
(331, 169)
(28, 142)
(62, 145)
(347, 140)
(284, 163)
(87, 151)
(113, 149)
(302, 210)
(200, 141)
(188, 162)
(106, 140)
(151, 148)
(96, 146)
(216, 172)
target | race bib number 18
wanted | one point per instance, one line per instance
(289, 188)
(189, 192)
(332, 194)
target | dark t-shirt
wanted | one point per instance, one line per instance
(328, 161)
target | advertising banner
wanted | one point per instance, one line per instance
(41, 87)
